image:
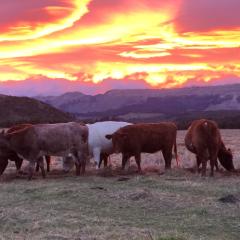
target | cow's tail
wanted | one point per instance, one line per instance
(175, 152)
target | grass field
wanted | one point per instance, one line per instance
(176, 205)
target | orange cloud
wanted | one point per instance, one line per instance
(170, 43)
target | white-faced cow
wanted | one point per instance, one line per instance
(62, 139)
(203, 138)
(99, 147)
(135, 139)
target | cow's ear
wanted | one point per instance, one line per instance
(108, 136)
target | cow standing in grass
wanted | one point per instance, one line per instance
(204, 139)
(135, 139)
(62, 139)
(13, 156)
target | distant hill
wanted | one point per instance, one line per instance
(15, 110)
(221, 103)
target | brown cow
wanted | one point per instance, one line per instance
(18, 161)
(62, 139)
(204, 139)
(132, 140)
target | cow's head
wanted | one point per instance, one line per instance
(118, 140)
(225, 157)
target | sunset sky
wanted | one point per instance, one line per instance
(112, 43)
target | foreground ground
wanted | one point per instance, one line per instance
(176, 205)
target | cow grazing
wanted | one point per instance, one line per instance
(18, 161)
(62, 139)
(203, 138)
(99, 147)
(132, 140)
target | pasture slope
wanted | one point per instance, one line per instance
(177, 205)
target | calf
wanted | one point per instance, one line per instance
(132, 140)
(203, 138)
(62, 139)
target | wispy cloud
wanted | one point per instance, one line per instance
(168, 43)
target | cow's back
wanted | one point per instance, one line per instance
(202, 134)
(48, 138)
(65, 134)
(150, 137)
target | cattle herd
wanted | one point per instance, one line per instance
(76, 143)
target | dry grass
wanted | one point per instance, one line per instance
(177, 205)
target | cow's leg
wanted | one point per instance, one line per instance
(83, 166)
(101, 159)
(198, 163)
(105, 160)
(18, 163)
(31, 166)
(138, 161)
(202, 157)
(3, 165)
(204, 165)
(48, 161)
(216, 165)
(41, 165)
(82, 159)
(78, 168)
(77, 163)
(37, 167)
(167, 155)
(125, 158)
(96, 156)
(213, 162)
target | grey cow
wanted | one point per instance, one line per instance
(61, 139)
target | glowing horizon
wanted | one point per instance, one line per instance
(162, 43)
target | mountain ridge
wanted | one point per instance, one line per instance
(77, 102)
(15, 110)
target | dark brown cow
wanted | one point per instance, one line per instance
(132, 140)
(9, 155)
(204, 139)
(14, 158)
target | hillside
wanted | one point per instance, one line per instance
(15, 110)
(182, 105)
(225, 97)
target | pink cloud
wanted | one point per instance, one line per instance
(206, 15)
(14, 14)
